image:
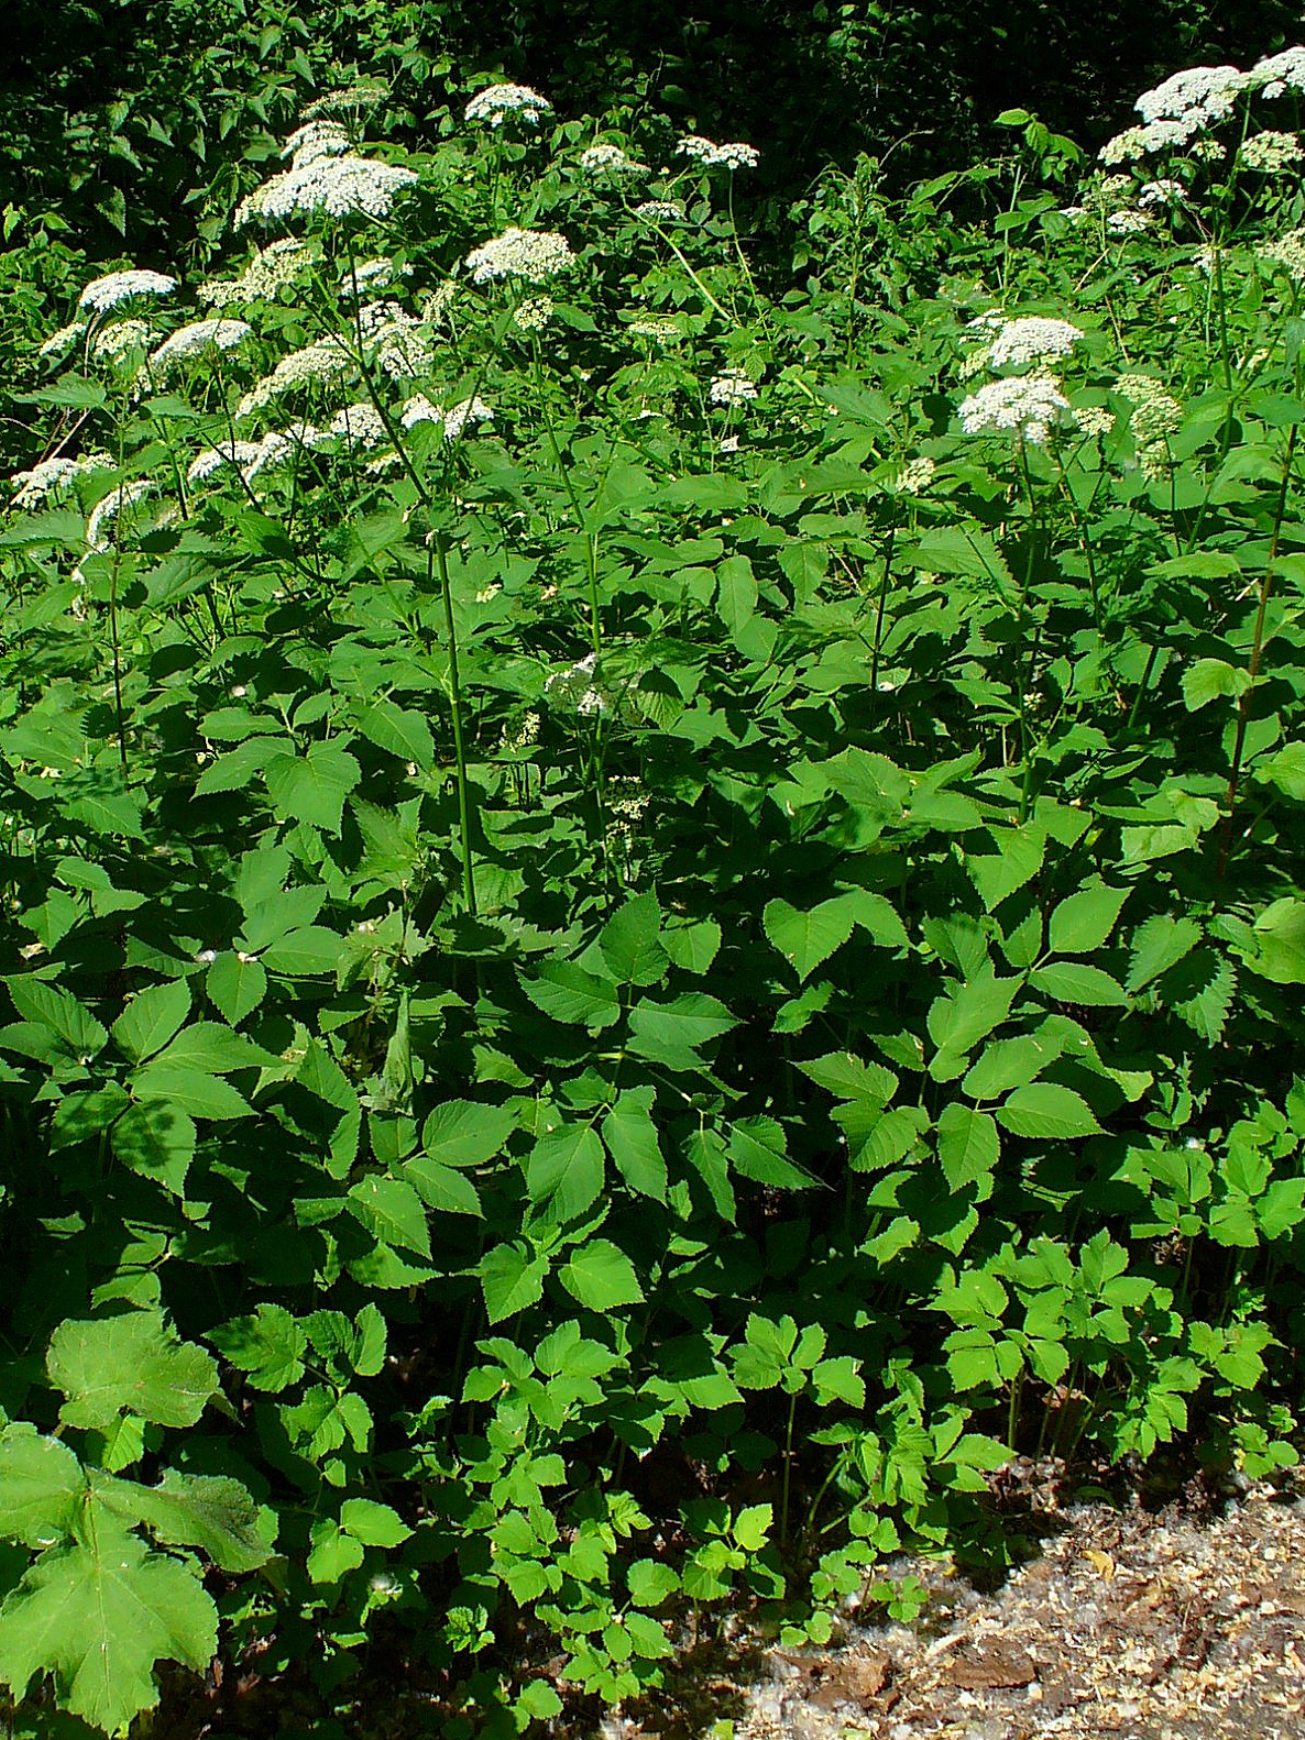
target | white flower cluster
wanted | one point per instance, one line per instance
(1094, 419)
(609, 160)
(1026, 405)
(659, 327)
(106, 512)
(1155, 415)
(576, 687)
(732, 387)
(453, 421)
(277, 264)
(534, 314)
(915, 476)
(197, 339)
(102, 294)
(58, 342)
(1208, 150)
(316, 139)
(1271, 153)
(1280, 73)
(53, 476)
(1128, 223)
(251, 457)
(1161, 193)
(1032, 339)
(1135, 142)
(370, 275)
(1289, 252)
(238, 453)
(497, 102)
(436, 303)
(113, 343)
(360, 424)
(532, 254)
(713, 156)
(363, 94)
(326, 360)
(1199, 94)
(337, 186)
(660, 211)
(402, 346)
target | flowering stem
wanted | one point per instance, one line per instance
(459, 744)
(702, 288)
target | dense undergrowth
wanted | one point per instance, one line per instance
(646, 926)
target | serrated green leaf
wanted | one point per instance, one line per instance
(757, 1148)
(399, 731)
(565, 1169)
(332, 1553)
(670, 1032)
(632, 1141)
(443, 1188)
(312, 787)
(214, 1048)
(566, 992)
(511, 1278)
(466, 1133)
(631, 944)
(601, 1276)
(134, 1364)
(41, 1487)
(969, 1145)
(1213, 680)
(693, 946)
(1158, 944)
(1045, 1109)
(190, 1091)
(1077, 982)
(1083, 923)
(375, 1525)
(158, 1140)
(98, 1615)
(392, 1213)
(267, 1346)
(151, 1018)
(53, 1007)
(805, 939)
(302, 953)
(211, 1512)
(236, 986)
(1007, 1064)
(1017, 860)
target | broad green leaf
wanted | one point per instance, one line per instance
(758, 1149)
(190, 1091)
(214, 1048)
(1285, 769)
(1077, 982)
(332, 1554)
(466, 1133)
(399, 731)
(601, 1276)
(736, 598)
(566, 992)
(158, 1140)
(631, 943)
(1017, 859)
(392, 1213)
(53, 1007)
(41, 1487)
(375, 1525)
(632, 1141)
(98, 1616)
(1007, 1064)
(1280, 940)
(650, 1582)
(967, 1013)
(302, 953)
(267, 1346)
(151, 1018)
(1045, 1109)
(512, 1278)
(847, 1077)
(565, 1169)
(964, 550)
(1213, 680)
(805, 939)
(705, 1152)
(211, 1512)
(1158, 944)
(969, 1144)
(134, 1364)
(313, 787)
(1083, 923)
(670, 1032)
(443, 1188)
(693, 946)
(236, 985)
(1200, 991)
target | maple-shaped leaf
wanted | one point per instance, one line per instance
(129, 1365)
(97, 1615)
(208, 1511)
(41, 1482)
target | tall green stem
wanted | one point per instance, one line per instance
(459, 741)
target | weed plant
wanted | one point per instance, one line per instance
(647, 927)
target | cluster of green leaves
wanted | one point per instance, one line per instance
(608, 1008)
